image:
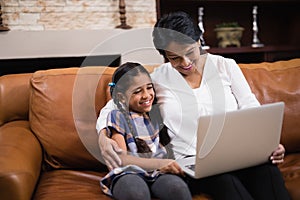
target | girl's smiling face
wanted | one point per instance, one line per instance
(140, 95)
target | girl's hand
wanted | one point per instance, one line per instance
(277, 156)
(171, 166)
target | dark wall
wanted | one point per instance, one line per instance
(28, 65)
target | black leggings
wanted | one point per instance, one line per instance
(259, 182)
(166, 186)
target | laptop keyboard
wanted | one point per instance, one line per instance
(191, 167)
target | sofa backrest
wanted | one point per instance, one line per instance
(14, 97)
(279, 81)
(64, 105)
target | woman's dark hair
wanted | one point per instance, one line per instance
(178, 27)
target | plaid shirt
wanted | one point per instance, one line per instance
(142, 126)
(147, 131)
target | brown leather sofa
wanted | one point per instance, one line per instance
(48, 141)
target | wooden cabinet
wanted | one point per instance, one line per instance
(278, 23)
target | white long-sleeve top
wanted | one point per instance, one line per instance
(223, 88)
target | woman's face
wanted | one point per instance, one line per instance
(185, 58)
(140, 95)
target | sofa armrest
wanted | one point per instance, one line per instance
(20, 161)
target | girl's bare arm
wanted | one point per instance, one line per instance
(164, 165)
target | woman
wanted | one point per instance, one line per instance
(194, 83)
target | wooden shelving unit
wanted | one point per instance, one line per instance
(278, 22)
(247, 54)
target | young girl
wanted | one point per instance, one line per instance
(135, 126)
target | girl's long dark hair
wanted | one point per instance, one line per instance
(122, 79)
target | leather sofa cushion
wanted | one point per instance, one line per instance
(76, 185)
(64, 105)
(279, 81)
(14, 101)
(20, 160)
(290, 170)
(70, 184)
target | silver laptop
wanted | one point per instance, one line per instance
(235, 140)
